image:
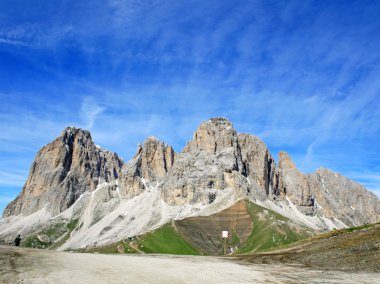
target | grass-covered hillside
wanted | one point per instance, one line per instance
(251, 228)
(270, 231)
(352, 249)
(164, 240)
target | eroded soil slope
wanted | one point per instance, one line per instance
(205, 233)
(250, 226)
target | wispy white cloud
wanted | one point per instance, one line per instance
(12, 178)
(12, 42)
(89, 111)
(35, 35)
(309, 155)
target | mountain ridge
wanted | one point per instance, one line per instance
(71, 178)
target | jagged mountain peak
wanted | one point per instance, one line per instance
(154, 142)
(152, 139)
(243, 135)
(150, 165)
(149, 143)
(285, 161)
(218, 121)
(156, 158)
(74, 130)
(213, 136)
(323, 171)
(70, 133)
(62, 170)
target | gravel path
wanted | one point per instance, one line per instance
(21, 265)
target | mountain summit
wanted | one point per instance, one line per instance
(73, 179)
(62, 171)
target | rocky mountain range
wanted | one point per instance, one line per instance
(73, 179)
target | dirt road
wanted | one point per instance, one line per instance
(20, 265)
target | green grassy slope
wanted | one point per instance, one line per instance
(270, 231)
(352, 249)
(164, 240)
(205, 232)
(251, 228)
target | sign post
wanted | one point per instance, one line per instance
(225, 236)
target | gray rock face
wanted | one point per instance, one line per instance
(213, 136)
(156, 159)
(339, 197)
(216, 159)
(259, 166)
(62, 171)
(328, 194)
(211, 162)
(149, 166)
(295, 185)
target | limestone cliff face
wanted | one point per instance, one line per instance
(294, 184)
(328, 194)
(62, 171)
(259, 165)
(339, 197)
(149, 167)
(218, 158)
(156, 159)
(213, 136)
(210, 163)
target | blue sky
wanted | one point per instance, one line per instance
(302, 75)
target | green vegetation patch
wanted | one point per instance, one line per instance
(338, 232)
(270, 231)
(34, 242)
(165, 240)
(235, 240)
(106, 249)
(70, 227)
(118, 247)
(47, 237)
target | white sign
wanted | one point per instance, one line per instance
(224, 234)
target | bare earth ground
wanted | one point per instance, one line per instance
(21, 265)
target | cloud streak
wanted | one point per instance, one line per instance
(89, 111)
(11, 178)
